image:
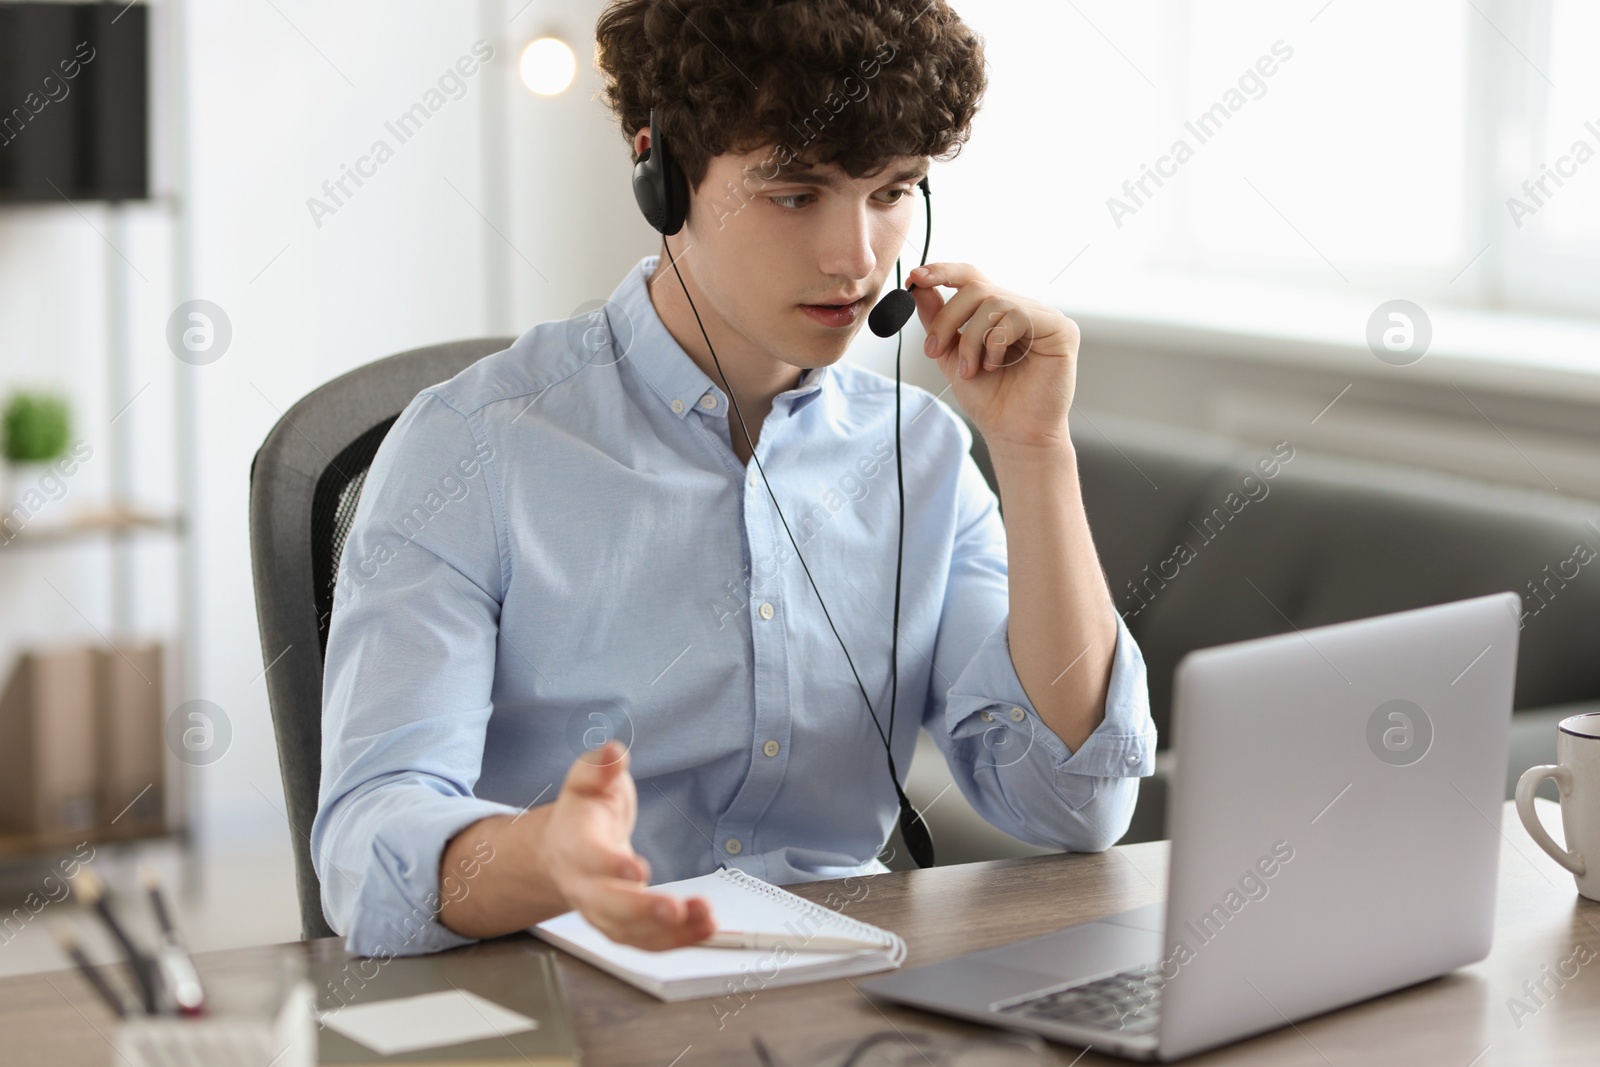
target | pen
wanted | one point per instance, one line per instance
(69, 944)
(755, 939)
(181, 982)
(93, 891)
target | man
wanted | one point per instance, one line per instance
(574, 652)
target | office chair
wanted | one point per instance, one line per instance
(305, 482)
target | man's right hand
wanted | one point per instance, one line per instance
(590, 859)
(505, 873)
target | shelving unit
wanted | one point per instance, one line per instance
(113, 521)
(119, 522)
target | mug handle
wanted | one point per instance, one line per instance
(1530, 781)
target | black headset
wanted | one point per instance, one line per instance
(662, 191)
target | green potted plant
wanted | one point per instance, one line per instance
(38, 428)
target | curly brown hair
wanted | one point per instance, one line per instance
(852, 82)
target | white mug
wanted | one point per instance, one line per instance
(1577, 777)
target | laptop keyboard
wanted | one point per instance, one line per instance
(1129, 1002)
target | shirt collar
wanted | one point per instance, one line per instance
(655, 354)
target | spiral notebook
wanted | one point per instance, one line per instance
(738, 902)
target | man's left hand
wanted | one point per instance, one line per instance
(1012, 362)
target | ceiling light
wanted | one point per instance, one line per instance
(547, 66)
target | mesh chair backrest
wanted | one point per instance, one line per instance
(333, 509)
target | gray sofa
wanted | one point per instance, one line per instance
(1325, 540)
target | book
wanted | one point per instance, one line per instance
(49, 775)
(738, 902)
(499, 1004)
(133, 748)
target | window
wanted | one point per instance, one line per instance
(1353, 148)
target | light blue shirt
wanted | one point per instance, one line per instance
(559, 545)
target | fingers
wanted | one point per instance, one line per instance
(626, 866)
(921, 282)
(950, 275)
(982, 327)
(997, 335)
(928, 302)
(612, 753)
(592, 773)
(947, 318)
(652, 921)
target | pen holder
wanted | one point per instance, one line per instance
(264, 1015)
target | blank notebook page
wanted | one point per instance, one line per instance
(738, 902)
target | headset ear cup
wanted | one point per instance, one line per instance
(674, 187)
(659, 186)
(649, 190)
(677, 196)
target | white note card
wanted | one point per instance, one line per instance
(429, 1020)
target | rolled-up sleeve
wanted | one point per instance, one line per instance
(408, 673)
(1014, 770)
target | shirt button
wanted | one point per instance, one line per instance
(677, 407)
(733, 846)
(1017, 714)
(985, 716)
(1132, 759)
(770, 748)
(752, 477)
(766, 611)
(708, 401)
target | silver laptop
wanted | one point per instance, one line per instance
(1334, 816)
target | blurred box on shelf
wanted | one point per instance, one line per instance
(81, 749)
(130, 729)
(48, 765)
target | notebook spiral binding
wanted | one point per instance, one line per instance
(837, 922)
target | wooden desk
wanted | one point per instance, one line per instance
(1460, 1020)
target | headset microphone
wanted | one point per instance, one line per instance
(661, 190)
(889, 315)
